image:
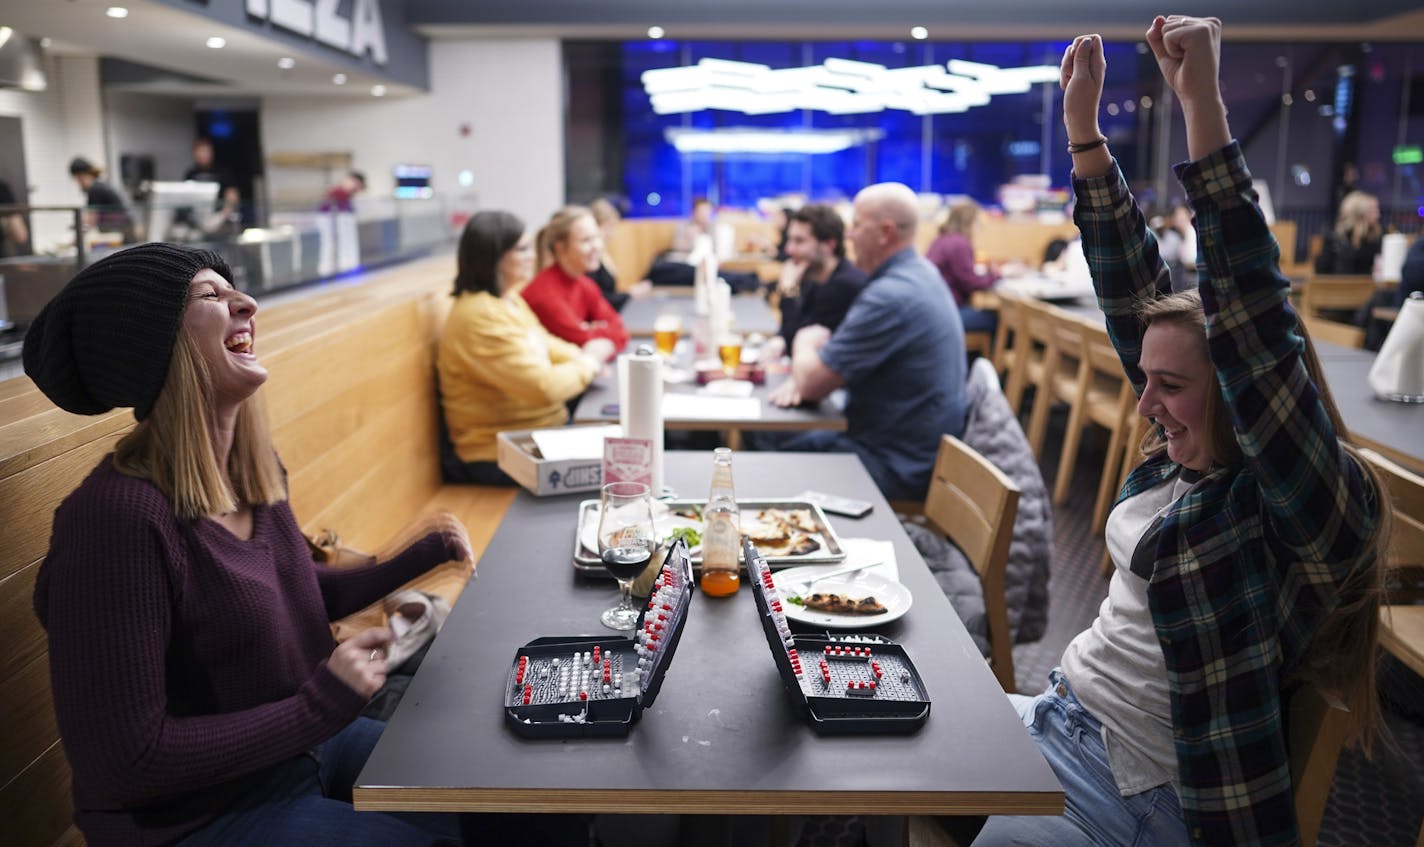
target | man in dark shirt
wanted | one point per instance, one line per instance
(899, 354)
(817, 283)
(14, 232)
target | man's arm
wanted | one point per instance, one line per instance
(814, 380)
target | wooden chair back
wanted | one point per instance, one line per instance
(1406, 490)
(973, 504)
(1335, 332)
(1007, 335)
(1317, 733)
(1335, 292)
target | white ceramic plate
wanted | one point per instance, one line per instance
(892, 595)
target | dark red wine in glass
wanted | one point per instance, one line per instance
(625, 563)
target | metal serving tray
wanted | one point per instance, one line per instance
(587, 562)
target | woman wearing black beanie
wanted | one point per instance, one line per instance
(199, 693)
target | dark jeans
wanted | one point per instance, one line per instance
(978, 321)
(307, 800)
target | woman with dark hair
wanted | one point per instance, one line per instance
(499, 368)
(1246, 546)
(198, 690)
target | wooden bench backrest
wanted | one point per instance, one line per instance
(351, 399)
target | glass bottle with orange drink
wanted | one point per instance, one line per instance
(721, 530)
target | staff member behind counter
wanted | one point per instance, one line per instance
(107, 212)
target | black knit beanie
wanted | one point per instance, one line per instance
(106, 339)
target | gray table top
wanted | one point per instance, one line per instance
(750, 313)
(599, 405)
(722, 737)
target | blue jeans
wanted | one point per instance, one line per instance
(307, 801)
(975, 320)
(1094, 812)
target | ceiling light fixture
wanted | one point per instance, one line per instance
(217, 42)
(378, 90)
(919, 33)
(339, 79)
(656, 32)
(286, 63)
(769, 141)
(837, 86)
(117, 12)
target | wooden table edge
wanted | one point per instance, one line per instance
(602, 800)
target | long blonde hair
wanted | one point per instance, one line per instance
(172, 447)
(1354, 221)
(961, 218)
(556, 231)
(1343, 652)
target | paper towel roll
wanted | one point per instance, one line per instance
(640, 403)
(1398, 371)
(1391, 257)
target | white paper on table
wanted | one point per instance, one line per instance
(862, 550)
(574, 442)
(728, 388)
(703, 408)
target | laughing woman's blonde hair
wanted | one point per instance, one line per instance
(1342, 656)
(172, 446)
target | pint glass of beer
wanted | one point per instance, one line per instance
(666, 329)
(729, 348)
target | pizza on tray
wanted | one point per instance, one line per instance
(783, 532)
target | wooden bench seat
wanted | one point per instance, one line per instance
(351, 400)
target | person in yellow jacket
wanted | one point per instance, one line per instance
(499, 368)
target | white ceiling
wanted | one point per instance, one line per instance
(169, 38)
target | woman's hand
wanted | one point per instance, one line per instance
(1188, 52)
(600, 349)
(457, 538)
(360, 661)
(1081, 76)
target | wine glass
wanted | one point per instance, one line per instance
(625, 544)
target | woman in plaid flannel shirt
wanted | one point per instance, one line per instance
(1245, 546)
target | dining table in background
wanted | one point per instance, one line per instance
(750, 312)
(722, 737)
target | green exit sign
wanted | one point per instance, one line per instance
(1408, 154)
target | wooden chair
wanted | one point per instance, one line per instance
(1317, 733)
(1006, 335)
(1401, 622)
(1130, 457)
(1033, 334)
(1104, 397)
(1334, 293)
(1335, 332)
(1059, 375)
(979, 342)
(974, 504)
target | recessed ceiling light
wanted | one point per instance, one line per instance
(656, 32)
(378, 91)
(46, 42)
(117, 12)
(919, 33)
(217, 42)
(339, 79)
(286, 63)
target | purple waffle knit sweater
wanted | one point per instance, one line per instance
(185, 661)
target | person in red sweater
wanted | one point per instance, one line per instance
(953, 254)
(198, 689)
(569, 303)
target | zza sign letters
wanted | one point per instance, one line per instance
(319, 19)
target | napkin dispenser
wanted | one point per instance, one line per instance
(1398, 371)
